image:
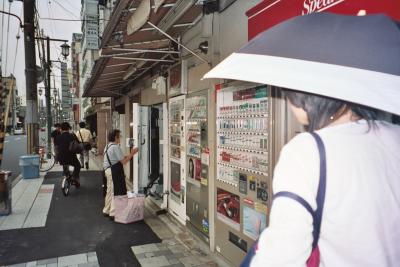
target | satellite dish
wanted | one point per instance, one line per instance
(39, 74)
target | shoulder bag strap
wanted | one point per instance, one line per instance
(81, 136)
(108, 158)
(317, 214)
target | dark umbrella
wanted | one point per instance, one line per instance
(352, 58)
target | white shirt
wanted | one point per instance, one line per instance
(361, 217)
(114, 153)
(85, 133)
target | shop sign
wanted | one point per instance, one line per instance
(310, 6)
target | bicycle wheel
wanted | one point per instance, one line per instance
(47, 163)
(65, 185)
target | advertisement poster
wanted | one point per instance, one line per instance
(253, 222)
(228, 208)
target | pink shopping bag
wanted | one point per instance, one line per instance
(128, 210)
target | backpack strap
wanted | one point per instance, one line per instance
(317, 214)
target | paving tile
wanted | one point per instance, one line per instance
(51, 265)
(190, 261)
(177, 265)
(177, 249)
(47, 261)
(163, 252)
(89, 254)
(149, 254)
(31, 264)
(89, 264)
(18, 265)
(154, 262)
(140, 256)
(174, 261)
(72, 260)
(92, 258)
(145, 248)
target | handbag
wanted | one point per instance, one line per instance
(118, 176)
(75, 146)
(129, 209)
(86, 145)
(314, 258)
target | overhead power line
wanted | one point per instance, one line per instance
(73, 20)
(66, 10)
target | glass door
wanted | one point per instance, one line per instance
(177, 195)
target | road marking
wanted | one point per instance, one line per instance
(18, 138)
(6, 141)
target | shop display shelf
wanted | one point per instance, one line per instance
(194, 144)
(235, 184)
(193, 130)
(174, 145)
(243, 116)
(196, 108)
(243, 168)
(194, 156)
(243, 133)
(193, 182)
(196, 119)
(256, 151)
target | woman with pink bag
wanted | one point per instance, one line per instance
(114, 171)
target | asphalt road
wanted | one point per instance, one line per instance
(14, 147)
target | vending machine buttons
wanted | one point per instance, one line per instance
(262, 193)
(242, 183)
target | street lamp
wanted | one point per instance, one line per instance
(65, 50)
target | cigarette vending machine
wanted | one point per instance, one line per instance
(177, 159)
(243, 184)
(197, 161)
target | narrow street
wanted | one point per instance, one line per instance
(49, 229)
(14, 147)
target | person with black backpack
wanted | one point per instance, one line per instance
(66, 157)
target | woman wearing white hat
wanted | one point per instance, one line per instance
(337, 190)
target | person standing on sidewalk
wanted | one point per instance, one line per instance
(54, 134)
(113, 156)
(85, 137)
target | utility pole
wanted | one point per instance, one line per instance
(30, 76)
(47, 94)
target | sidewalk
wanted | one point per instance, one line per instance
(39, 207)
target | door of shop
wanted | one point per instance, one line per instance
(148, 165)
(177, 158)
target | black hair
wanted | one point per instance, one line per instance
(57, 125)
(321, 110)
(113, 135)
(82, 124)
(65, 126)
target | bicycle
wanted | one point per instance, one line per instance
(67, 181)
(45, 162)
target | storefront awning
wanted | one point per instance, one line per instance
(132, 45)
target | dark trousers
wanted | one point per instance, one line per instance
(77, 167)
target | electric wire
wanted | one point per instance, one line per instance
(2, 32)
(66, 10)
(8, 35)
(16, 48)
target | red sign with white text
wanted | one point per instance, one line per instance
(271, 12)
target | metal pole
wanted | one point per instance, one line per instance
(30, 77)
(178, 43)
(48, 103)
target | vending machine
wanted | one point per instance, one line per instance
(197, 161)
(177, 159)
(148, 164)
